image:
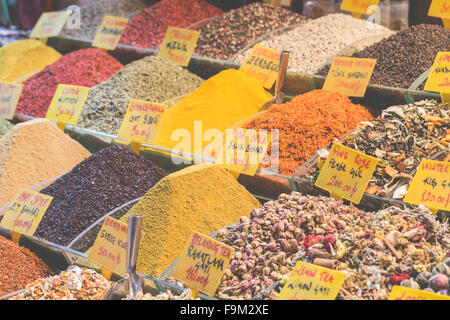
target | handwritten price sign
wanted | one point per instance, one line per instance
(109, 33)
(358, 7)
(67, 104)
(49, 24)
(431, 186)
(440, 9)
(439, 80)
(350, 76)
(346, 173)
(9, 97)
(311, 282)
(262, 64)
(203, 263)
(178, 45)
(402, 293)
(25, 212)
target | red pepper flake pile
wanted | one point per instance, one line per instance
(86, 67)
(147, 29)
(309, 122)
(18, 267)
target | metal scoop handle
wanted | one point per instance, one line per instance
(134, 236)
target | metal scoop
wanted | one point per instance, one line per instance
(279, 96)
(132, 285)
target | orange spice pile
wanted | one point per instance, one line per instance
(309, 122)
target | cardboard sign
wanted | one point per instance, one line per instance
(142, 121)
(67, 104)
(178, 45)
(350, 76)
(50, 24)
(346, 173)
(440, 9)
(431, 186)
(9, 97)
(109, 33)
(439, 79)
(312, 282)
(402, 293)
(25, 212)
(262, 64)
(359, 7)
(203, 263)
(110, 247)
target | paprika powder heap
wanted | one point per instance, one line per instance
(148, 28)
(86, 67)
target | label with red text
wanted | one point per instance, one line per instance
(110, 32)
(312, 282)
(346, 173)
(67, 104)
(440, 9)
(350, 76)
(178, 45)
(439, 79)
(50, 24)
(25, 212)
(9, 97)
(431, 185)
(402, 293)
(203, 263)
(359, 6)
(262, 64)
(142, 121)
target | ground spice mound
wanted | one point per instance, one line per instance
(104, 181)
(18, 267)
(21, 58)
(32, 152)
(152, 79)
(309, 122)
(148, 28)
(201, 198)
(86, 67)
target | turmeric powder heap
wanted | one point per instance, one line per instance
(203, 198)
(309, 122)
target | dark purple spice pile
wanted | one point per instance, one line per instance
(101, 183)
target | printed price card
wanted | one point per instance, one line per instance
(350, 76)
(439, 80)
(50, 24)
(402, 293)
(109, 33)
(9, 97)
(25, 212)
(142, 121)
(440, 9)
(431, 186)
(203, 263)
(346, 173)
(178, 45)
(312, 282)
(262, 64)
(67, 104)
(359, 7)
(110, 247)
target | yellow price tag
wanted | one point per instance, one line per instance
(431, 186)
(178, 45)
(440, 9)
(439, 80)
(67, 104)
(49, 24)
(346, 173)
(9, 97)
(312, 282)
(280, 3)
(402, 293)
(25, 212)
(445, 97)
(359, 7)
(262, 64)
(350, 76)
(203, 263)
(109, 33)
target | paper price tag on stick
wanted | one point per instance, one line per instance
(9, 97)
(441, 9)
(262, 64)
(402, 293)
(359, 7)
(178, 45)
(439, 79)
(50, 24)
(110, 32)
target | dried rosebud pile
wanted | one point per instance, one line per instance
(375, 250)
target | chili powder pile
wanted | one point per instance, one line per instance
(86, 67)
(148, 28)
(307, 123)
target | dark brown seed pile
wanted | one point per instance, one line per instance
(226, 35)
(403, 57)
(104, 181)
